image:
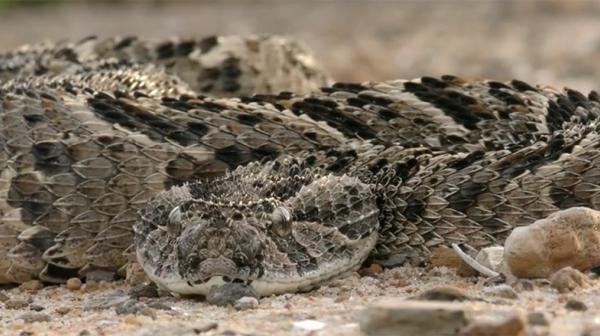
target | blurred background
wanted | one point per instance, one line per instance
(553, 42)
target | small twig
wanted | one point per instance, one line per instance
(473, 263)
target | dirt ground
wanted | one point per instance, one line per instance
(550, 42)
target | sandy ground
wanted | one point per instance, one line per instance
(552, 42)
(334, 309)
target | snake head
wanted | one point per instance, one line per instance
(275, 227)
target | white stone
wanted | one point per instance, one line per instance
(309, 325)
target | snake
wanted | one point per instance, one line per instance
(236, 160)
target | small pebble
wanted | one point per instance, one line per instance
(130, 319)
(309, 325)
(503, 291)
(371, 271)
(143, 290)
(16, 304)
(229, 293)
(34, 317)
(524, 285)
(575, 305)
(74, 284)
(36, 307)
(569, 279)
(32, 285)
(443, 293)
(90, 286)
(63, 310)
(538, 319)
(4, 297)
(247, 302)
(513, 325)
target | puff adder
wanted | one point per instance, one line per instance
(280, 191)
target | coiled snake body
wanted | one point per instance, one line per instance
(108, 142)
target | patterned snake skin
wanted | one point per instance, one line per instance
(317, 182)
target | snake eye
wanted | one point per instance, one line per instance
(281, 221)
(174, 221)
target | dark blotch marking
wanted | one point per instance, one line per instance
(198, 128)
(231, 68)
(522, 86)
(231, 86)
(210, 73)
(165, 50)
(467, 160)
(498, 85)
(453, 103)
(184, 48)
(177, 104)
(349, 87)
(234, 155)
(47, 150)
(207, 43)
(266, 152)
(434, 83)
(34, 119)
(414, 209)
(376, 100)
(387, 114)
(126, 42)
(578, 99)
(467, 195)
(506, 97)
(249, 119)
(322, 110)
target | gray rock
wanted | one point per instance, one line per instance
(36, 307)
(576, 305)
(229, 293)
(408, 317)
(144, 290)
